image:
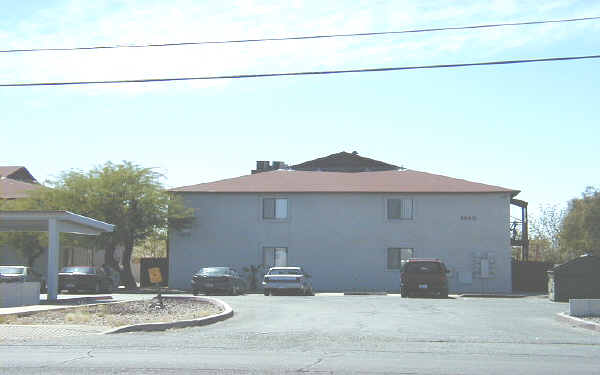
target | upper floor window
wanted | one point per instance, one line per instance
(275, 208)
(400, 208)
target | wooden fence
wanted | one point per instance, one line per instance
(530, 276)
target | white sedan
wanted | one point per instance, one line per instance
(287, 279)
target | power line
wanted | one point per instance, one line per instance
(302, 37)
(323, 72)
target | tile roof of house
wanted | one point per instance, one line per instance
(344, 162)
(13, 189)
(391, 181)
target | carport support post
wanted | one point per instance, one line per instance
(53, 257)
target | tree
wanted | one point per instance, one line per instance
(580, 232)
(31, 245)
(155, 246)
(544, 231)
(126, 195)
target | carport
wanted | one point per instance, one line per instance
(53, 222)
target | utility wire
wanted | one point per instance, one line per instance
(302, 37)
(323, 72)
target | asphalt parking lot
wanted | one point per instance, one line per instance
(345, 334)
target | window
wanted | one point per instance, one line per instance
(400, 209)
(396, 256)
(274, 257)
(275, 208)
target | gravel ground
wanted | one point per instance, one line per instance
(121, 313)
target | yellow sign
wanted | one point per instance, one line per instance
(155, 275)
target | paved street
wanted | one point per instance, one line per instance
(339, 334)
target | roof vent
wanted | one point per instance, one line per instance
(354, 152)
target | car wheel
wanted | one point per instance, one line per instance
(404, 293)
(266, 292)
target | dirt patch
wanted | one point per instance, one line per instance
(122, 313)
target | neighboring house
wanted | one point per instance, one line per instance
(349, 221)
(16, 182)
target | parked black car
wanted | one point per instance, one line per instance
(424, 277)
(218, 280)
(77, 278)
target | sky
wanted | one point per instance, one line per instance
(530, 127)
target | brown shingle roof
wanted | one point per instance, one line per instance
(394, 181)
(344, 162)
(6, 171)
(16, 173)
(13, 189)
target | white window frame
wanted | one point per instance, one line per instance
(282, 208)
(402, 218)
(410, 253)
(275, 250)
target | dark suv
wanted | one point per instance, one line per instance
(424, 277)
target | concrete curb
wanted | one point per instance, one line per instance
(161, 326)
(578, 322)
(365, 293)
(482, 295)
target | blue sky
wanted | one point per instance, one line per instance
(532, 127)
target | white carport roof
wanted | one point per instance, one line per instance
(38, 221)
(52, 222)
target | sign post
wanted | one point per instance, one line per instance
(156, 278)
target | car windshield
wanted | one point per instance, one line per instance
(423, 267)
(284, 271)
(12, 270)
(88, 270)
(213, 271)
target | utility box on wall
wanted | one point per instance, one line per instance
(577, 278)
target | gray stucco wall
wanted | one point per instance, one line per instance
(342, 239)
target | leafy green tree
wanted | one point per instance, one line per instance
(31, 245)
(129, 196)
(580, 232)
(544, 231)
(155, 246)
